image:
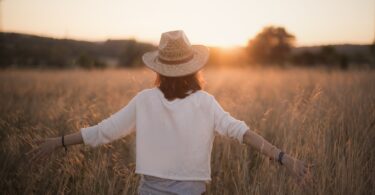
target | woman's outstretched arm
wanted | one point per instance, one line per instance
(295, 166)
(49, 145)
(225, 124)
(116, 126)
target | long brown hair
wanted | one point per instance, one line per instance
(179, 87)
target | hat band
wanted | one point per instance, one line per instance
(174, 62)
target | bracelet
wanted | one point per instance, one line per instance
(63, 143)
(280, 158)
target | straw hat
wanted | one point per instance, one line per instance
(175, 56)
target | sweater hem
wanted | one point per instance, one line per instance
(140, 172)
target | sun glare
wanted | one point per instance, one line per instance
(222, 38)
(214, 23)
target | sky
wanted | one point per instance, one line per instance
(213, 23)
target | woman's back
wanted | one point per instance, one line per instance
(173, 138)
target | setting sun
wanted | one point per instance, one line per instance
(215, 23)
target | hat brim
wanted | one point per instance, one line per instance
(200, 52)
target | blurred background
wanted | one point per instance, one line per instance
(298, 72)
(106, 34)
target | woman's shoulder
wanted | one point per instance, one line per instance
(204, 93)
(204, 97)
(155, 91)
(147, 92)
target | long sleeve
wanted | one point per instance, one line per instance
(225, 124)
(116, 126)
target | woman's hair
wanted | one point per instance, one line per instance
(179, 87)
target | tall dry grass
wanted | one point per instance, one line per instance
(327, 118)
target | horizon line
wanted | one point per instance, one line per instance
(155, 44)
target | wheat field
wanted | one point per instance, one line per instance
(322, 117)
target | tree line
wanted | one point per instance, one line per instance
(272, 46)
(275, 46)
(20, 50)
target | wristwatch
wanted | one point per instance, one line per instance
(280, 158)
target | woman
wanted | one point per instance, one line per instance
(174, 123)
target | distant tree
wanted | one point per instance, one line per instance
(305, 58)
(271, 46)
(129, 53)
(372, 52)
(132, 52)
(89, 62)
(21, 50)
(328, 55)
(344, 62)
(85, 61)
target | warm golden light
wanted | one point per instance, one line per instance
(216, 23)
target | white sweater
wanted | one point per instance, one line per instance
(173, 138)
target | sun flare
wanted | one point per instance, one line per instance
(214, 23)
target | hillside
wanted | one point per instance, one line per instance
(348, 49)
(30, 50)
(22, 50)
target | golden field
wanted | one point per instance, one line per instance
(323, 117)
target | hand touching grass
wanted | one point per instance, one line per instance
(297, 168)
(47, 146)
(44, 149)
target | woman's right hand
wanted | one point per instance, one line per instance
(298, 168)
(45, 148)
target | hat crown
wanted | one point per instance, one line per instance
(174, 47)
(175, 56)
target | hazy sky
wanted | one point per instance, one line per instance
(220, 23)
